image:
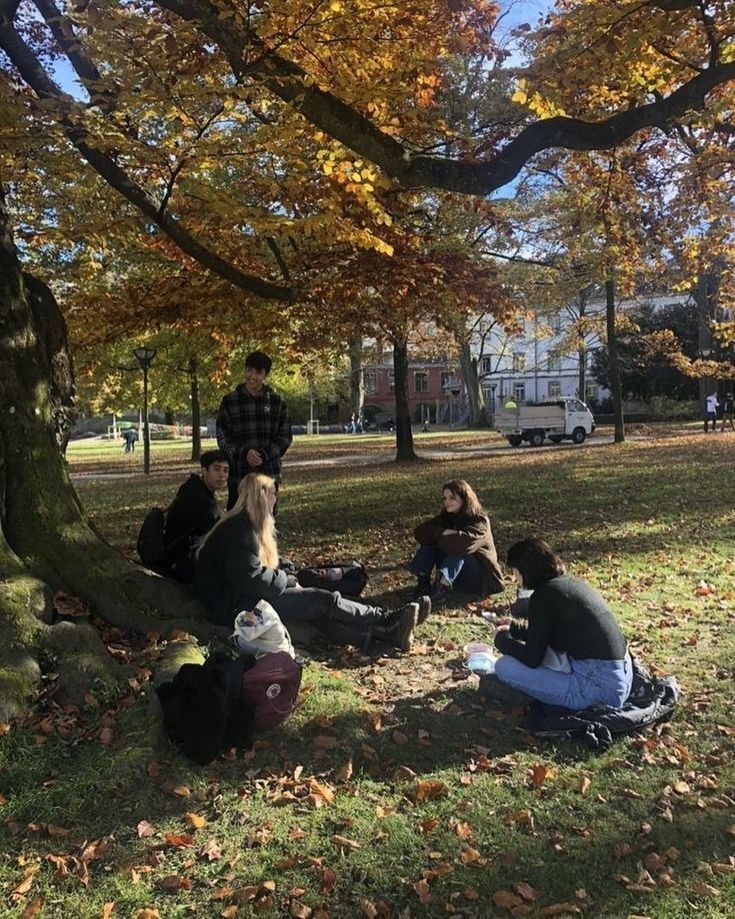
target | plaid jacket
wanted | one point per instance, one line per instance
(260, 423)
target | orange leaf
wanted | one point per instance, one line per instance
(426, 789)
(107, 909)
(329, 879)
(422, 890)
(195, 820)
(181, 791)
(33, 909)
(180, 840)
(54, 830)
(506, 899)
(539, 773)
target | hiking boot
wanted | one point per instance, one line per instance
(424, 603)
(423, 588)
(399, 627)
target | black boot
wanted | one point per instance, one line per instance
(424, 603)
(423, 587)
(397, 628)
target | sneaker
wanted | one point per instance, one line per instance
(399, 631)
(424, 603)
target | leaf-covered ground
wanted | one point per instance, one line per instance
(393, 790)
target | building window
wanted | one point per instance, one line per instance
(554, 389)
(486, 365)
(371, 382)
(519, 362)
(556, 323)
(593, 394)
(391, 381)
(519, 392)
(421, 381)
(554, 362)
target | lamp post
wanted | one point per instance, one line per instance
(145, 359)
(493, 387)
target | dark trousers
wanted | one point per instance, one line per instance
(344, 621)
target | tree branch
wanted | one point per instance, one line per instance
(36, 77)
(292, 84)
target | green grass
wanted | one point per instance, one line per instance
(644, 829)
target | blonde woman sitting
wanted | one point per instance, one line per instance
(238, 566)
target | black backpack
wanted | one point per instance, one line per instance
(349, 579)
(151, 544)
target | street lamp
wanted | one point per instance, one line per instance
(145, 359)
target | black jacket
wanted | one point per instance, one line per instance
(229, 574)
(193, 513)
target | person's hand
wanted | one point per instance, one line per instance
(253, 458)
(448, 532)
(499, 630)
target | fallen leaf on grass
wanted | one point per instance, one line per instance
(181, 791)
(422, 891)
(145, 829)
(211, 850)
(107, 909)
(540, 773)
(196, 820)
(426, 790)
(147, 913)
(300, 910)
(560, 909)
(525, 818)
(506, 899)
(526, 891)
(584, 784)
(344, 843)
(344, 773)
(174, 882)
(706, 890)
(329, 879)
(33, 909)
(179, 840)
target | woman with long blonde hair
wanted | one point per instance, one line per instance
(458, 543)
(238, 566)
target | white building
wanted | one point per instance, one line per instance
(543, 361)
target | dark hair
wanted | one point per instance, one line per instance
(463, 490)
(536, 561)
(259, 360)
(212, 456)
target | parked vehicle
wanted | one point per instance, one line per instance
(556, 419)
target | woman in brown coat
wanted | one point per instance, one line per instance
(458, 542)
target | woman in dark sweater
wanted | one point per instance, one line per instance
(238, 566)
(459, 543)
(572, 652)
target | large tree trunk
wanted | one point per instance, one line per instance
(46, 543)
(612, 351)
(404, 433)
(196, 411)
(468, 365)
(357, 383)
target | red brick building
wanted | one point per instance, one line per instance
(435, 392)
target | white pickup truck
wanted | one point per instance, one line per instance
(556, 419)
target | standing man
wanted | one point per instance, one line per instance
(711, 405)
(728, 413)
(193, 513)
(253, 427)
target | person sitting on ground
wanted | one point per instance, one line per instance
(572, 652)
(193, 513)
(458, 542)
(238, 565)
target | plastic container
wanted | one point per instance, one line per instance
(481, 663)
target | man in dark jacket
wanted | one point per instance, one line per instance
(253, 427)
(193, 513)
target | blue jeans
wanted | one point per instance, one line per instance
(591, 682)
(463, 572)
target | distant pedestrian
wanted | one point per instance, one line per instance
(728, 412)
(350, 426)
(131, 437)
(359, 425)
(710, 414)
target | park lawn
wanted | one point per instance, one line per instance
(392, 790)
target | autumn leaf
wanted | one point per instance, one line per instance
(147, 913)
(145, 829)
(506, 899)
(329, 879)
(422, 890)
(108, 909)
(344, 843)
(211, 850)
(33, 909)
(426, 789)
(54, 830)
(584, 784)
(526, 891)
(179, 840)
(344, 773)
(181, 791)
(560, 909)
(195, 820)
(540, 773)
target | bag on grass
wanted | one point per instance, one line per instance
(349, 579)
(270, 688)
(151, 545)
